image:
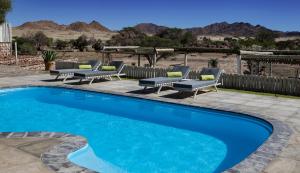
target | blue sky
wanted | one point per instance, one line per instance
(276, 14)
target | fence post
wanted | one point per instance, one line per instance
(239, 64)
(270, 69)
(139, 60)
(185, 59)
(16, 52)
(154, 59)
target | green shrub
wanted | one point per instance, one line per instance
(98, 45)
(40, 40)
(214, 63)
(27, 48)
(61, 44)
(81, 43)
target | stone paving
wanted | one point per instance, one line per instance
(281, 153)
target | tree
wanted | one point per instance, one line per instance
(5, 6)
(159, 57)
(61, 44)
(188, 39)
(81, 43)
(25, 46)
(41, 40)
(288, 45)
(180, 37)
(266, 38)
(127, 37)
(98, 45)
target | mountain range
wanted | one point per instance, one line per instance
(238, 29)
(97, 30)
(76, 26)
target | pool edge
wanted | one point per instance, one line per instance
(57, 160)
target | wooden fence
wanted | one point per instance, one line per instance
(276, 85)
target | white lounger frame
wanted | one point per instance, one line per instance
(160, 86)
(195, 90)
(64, 75)
(71, 74)
(109, 76)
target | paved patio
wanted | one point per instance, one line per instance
(14, 158)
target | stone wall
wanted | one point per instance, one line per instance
(5, 49)
(25, 61)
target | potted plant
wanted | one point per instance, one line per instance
(213, 63)
(49, 59)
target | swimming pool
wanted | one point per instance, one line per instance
(134, 135)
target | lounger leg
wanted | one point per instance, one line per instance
(145, 88)
(109, 77)
(91, 81)
(65, 79)
(57, 77)
(216, 88)
(119, 77)
(80, 80)
(159, 89)
(195, 94)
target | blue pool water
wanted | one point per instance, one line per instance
(134, 135)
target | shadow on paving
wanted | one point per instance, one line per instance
(86, 82)
(148, 91)
(182, 95)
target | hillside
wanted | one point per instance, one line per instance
(238, 29)
(98, 31)
(149, 28)
(64, 32)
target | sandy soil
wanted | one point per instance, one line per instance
(66, 35)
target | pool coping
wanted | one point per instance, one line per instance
(56, 158)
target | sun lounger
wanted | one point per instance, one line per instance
(165, 81)
(91, 75)
(66, 73)
(196, 85)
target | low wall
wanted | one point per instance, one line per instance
(5, 49)
(24, 61)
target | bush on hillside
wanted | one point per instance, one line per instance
(61, 44)
(80, 43)
(41, 40)
(98, 45)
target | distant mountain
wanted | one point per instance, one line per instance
(82, 26)
(149, 28)
(42, 25)
(225, 29)
(97, 30)
(238, 29)
(76, 26)
(64, 32)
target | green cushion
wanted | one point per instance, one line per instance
(207, 77)
(174, 74)
(108, 68)
(85, 67)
